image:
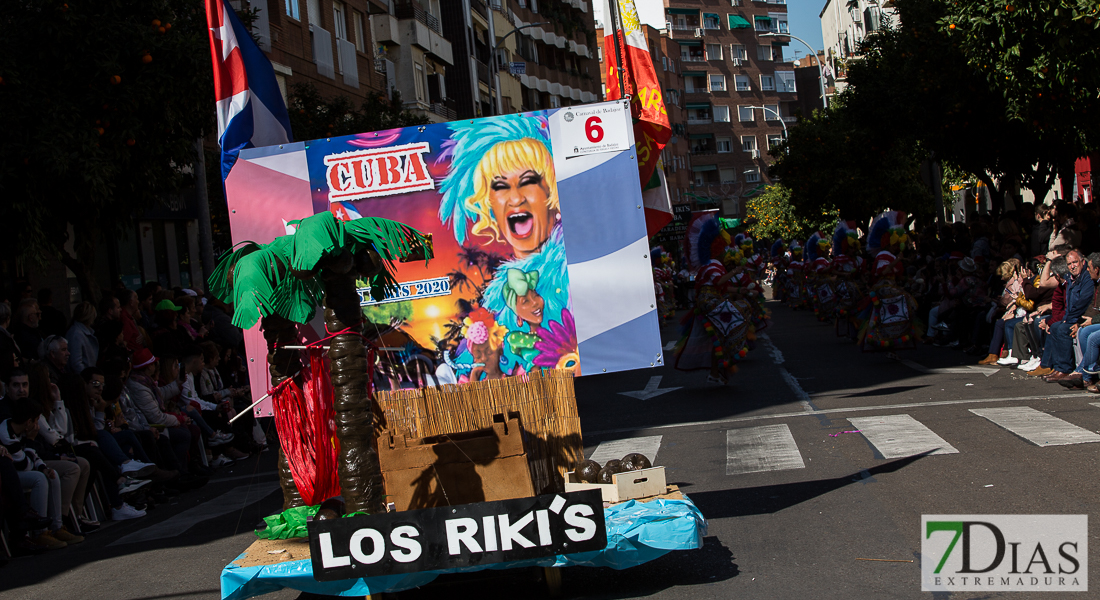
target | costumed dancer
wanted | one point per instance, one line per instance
(796, 278)
(889, 310)
(819, 281)
(501, 187)
(779, 260)
(848, 266)
(744, 291)
(664, 285)
(714, 330)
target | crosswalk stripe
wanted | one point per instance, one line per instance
(1037, 427)
(897, 436)
(763, 448)
(616, 449)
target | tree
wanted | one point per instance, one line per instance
(100, 104)
(282, 283)
(314, 117)
(775, 216)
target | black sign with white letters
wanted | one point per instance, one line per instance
(457, 536)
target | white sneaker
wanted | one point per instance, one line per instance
(1031, 364)
(126, 512)
(221, 461)
(137, 469)
(1008, 361)
(131, 485)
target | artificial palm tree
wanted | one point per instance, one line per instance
(282, 283)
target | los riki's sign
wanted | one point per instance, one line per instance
(457, 536)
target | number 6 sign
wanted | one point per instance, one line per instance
(593, 129)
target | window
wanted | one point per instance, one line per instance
(339, 24)
(725, 145)
(763, 52)
(711, 21)
(778, 22)
(784, 81)
(727, 175)
(774, 139)
(721, 114)
(763, 24)
(698, 115)
(714, 51)
(771, 112)
(767, 83)
(748, 143)
(744, 114)
(599, 50)
(360, 38)
(737, 51)
(752, 175)
(418, 81)
(292, 9)
(742, 83)
(717, 83)
(313, 11)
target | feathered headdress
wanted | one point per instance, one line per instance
(888, 230)
(814, 246)
(467, 145)
(796, 248)
(845, 237)
(777, 247)
(700, 236)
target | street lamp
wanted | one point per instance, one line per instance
(496, 68)
(820, 72)
(777, 116)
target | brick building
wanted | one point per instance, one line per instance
(738, 91)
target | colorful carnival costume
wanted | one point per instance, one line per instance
(796, 278)
(779, 261)
(715, 331)
(848, 266)
(819, 281)
(890, 311)
(664, 283)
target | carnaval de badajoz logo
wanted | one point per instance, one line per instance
(1005, 553)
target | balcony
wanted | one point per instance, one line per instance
(692, 58)
(408, 9)
(698, 121)
(790, 119)
(482, 71)
(480, 8)
(444, 111)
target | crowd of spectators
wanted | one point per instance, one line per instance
(128, 402)
(1020, 291)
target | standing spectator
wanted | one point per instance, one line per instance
(1041, 230)
(187, 318)
(220, 323)
(25, 329)
(52, 321)
(83, 345)
(9, 350)
(168, 337)
(132, 333)
(146, 302)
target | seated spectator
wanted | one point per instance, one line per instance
(17, 515)
(83, 345)
(9, 350)
(214, 410)
(52, 321)
(25, 329)
(55, 356)
(132, 334)
(168, 337)
(148, 398)
(44, 499)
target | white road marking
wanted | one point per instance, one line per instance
(777, 358)
(650, 390)
(897, 436)
(828, 411)
(617, 449)
(671, 345)
(1037, 427)
(965, 370)
(763, 448)
(226, 503)
(1096, 404)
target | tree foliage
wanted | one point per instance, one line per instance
(100, 104)
(313, 116)
(776, 218)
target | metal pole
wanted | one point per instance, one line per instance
(206, 232)
(777, 115)
(616, 24)
(820, 72)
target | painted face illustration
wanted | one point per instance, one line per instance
(521, 208)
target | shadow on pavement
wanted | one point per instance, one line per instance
(768, 499)
(885, 391)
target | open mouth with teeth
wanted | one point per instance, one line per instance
(521, 224)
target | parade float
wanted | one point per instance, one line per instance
(507, 256)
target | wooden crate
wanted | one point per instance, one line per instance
(458, 468)
(629, 485)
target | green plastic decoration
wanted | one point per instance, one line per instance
(291, 523)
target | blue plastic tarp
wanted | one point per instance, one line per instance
(637, 532)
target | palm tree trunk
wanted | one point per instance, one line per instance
(357, 460)
(282, 364)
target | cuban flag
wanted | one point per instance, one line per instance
(251, 112)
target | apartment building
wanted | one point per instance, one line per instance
(844, 25)
(413, 55)
(739, 91)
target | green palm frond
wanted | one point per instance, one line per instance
(256, 276)
(315, 237)
(392, 240)
(297, 299)
(220, 284)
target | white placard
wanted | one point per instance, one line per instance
(592, 129)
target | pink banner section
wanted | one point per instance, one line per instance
(264, 191)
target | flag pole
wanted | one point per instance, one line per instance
(617, 28)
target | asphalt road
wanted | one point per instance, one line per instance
(777, 528)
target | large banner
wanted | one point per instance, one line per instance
(541, 256)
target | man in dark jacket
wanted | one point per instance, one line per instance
(1079, 294)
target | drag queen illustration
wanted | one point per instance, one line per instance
(501, 187)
